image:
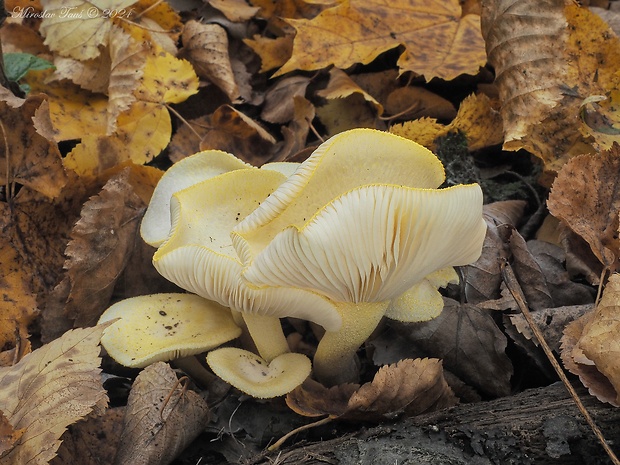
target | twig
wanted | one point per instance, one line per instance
(515, 289)
(276, 445)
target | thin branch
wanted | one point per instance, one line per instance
(515, 289)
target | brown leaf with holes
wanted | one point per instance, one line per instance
(162, 418)
(48, 390)
(584, 196)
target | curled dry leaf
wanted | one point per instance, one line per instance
(409, 387)
(599, 340)
(585, 197)
(279, 104)
(161, 419)
(206, 48)
(577, 363)
(49, 389)
(544, 55)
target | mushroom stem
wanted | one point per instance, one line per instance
(334, 361)
(192, 367)
(267, 334)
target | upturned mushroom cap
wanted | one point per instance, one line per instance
(155, 226)
(361, 221)
(251, 374)
(199, 256)
(162, 327)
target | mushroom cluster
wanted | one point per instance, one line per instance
(358, 231)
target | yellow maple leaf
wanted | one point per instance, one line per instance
(78, 28)
(439, 43)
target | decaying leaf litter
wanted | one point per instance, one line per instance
(518, 97)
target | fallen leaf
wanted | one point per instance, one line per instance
(469, 343)
(409, 387)
(206, 48)
(8, 436)
(577, 363)
(272, 52)
(529, 274)
(162, 418)
(235, 10)
(279, 104)
(49, 389)
(599, 340)
(584, 196)
(93, 441)
(341, 86)
(544, 55)
(100, 245)
(77, 30)
(412, 102)
(26, 157)
(483, 277)
(439, 43)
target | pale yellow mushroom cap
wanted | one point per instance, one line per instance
(162, 327)
(251, 374)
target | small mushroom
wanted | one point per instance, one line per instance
(252, 375)
(362, 223)
(164, 327)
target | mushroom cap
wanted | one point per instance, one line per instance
(251, 374)
(162, 327)
(199, 256)
(204, 165)
(369, 245)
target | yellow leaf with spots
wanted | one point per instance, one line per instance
(438, 42)
(476, 118)
(142, 133)
(166, 79)
(78, 28)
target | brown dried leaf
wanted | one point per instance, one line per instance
(234, 132)
(470, 344)
(272, 52)
(49, 389)
(529, 274)
(101, 243)
(296, 133)
(235, 10)
(279, 104)
(8, 436)
(585, 197)
(206, 48)
(161, 419)
(577, 363)
(439, 42)
(414, 102)
(410, 386)
(93, 441)
(599, 340)
(544, 55)
(26, 157)
(483, 277)
(340, 86)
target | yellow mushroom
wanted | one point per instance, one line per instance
(363, 223)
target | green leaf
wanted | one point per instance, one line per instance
(17, 65)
